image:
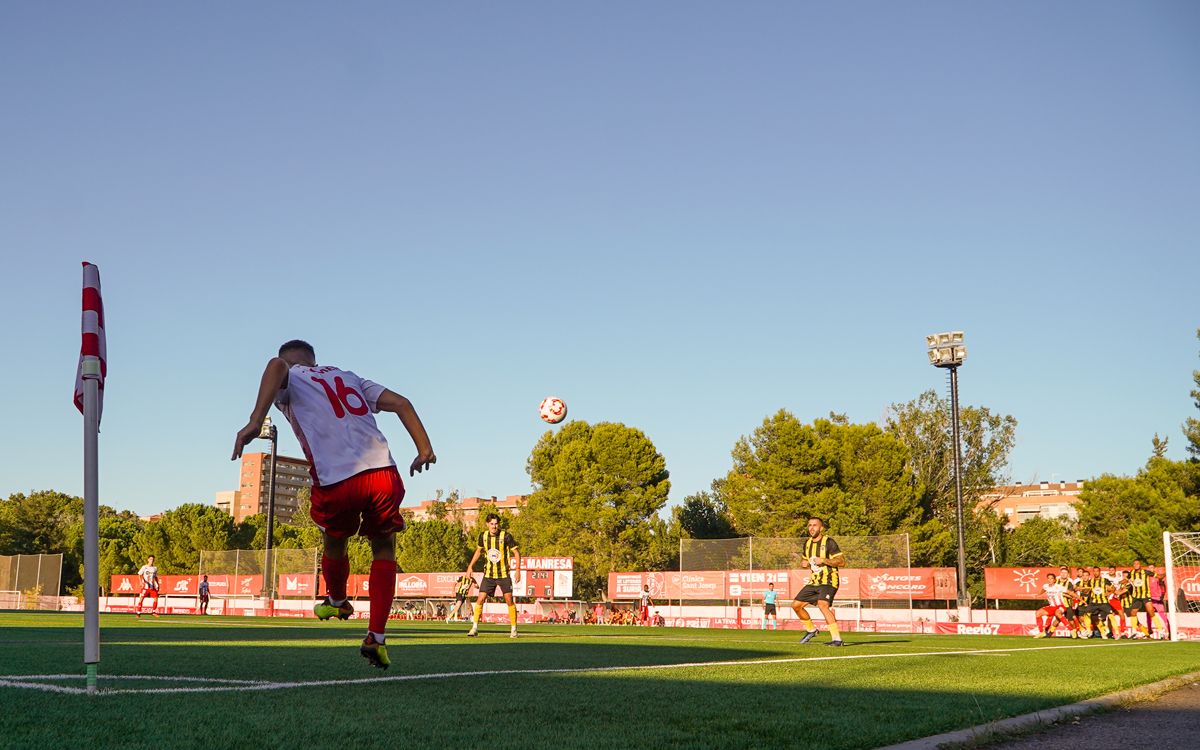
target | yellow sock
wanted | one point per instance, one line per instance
(833, 631)
(1114, 624)
(476, 612)
(1159, 625)
(807, 623)
(512, 615)
(1085, 623)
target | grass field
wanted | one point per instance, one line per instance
(262, 683)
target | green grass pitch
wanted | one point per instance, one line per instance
(263, 683)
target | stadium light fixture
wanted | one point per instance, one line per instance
(948, 351)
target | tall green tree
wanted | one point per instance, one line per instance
(923, 425)
(432, 546)
(855, 476)
(1191, 426)
(597, 493)
(1122, 518)
(703, 515)
(177, 538)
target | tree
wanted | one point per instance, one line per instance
(1122, 518)
(854, 476)
(923, 425)
(433, 545)
(704, 516)
(597, 492)
(1038, 541)
(177, 538)
(1159, 446)
(1191, 426)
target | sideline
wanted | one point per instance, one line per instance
(1005, 729)
(218, 685)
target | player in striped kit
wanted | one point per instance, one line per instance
(356, 486)
(645, 602)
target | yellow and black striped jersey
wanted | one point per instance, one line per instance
(822, 575)
(497, 549)
(1139, 581)
(1095, 590)
(464, 585)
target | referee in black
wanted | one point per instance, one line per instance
(823, 557)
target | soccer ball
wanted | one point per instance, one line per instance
(553, 410)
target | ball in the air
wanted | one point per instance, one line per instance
(552, 410)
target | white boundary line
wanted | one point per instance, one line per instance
(34, 682)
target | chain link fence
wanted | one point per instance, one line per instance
(30, 581)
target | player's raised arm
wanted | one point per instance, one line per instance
(403, 408)
(274, 377)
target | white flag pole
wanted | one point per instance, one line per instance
(91, 519)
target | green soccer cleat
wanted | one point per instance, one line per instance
(325, 609)
(374, 652)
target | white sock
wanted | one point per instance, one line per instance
(337, 602)
(379, 637)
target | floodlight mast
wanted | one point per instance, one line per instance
(270, 432)
(946, 350)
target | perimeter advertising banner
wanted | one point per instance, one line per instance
(856, 583)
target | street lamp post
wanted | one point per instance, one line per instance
(946, 350)
(270, 432)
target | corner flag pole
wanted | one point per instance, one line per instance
(91, 519)
(89, 395)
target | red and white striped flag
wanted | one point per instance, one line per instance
(93, 335)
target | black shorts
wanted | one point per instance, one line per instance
(811, 594)
(488, 585)
(1094, 610)
(1137, 605)
(768, 609)
(204, 597)
(460, 598)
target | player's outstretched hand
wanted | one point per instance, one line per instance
(421, 462)
(244, 436)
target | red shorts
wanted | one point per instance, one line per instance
(645, 613)
(1051, 610)
(367, 503)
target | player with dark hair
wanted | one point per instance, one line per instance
(769, 597)
(1155, 606)
(1055, 609)
(461, 592)
(203, 595)
(356, 486)
(645, 602)
(150, 585)
(501, 559)
(823, 557)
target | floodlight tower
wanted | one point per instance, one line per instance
(270, 432)
(946, 350)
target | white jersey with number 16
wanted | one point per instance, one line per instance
(330, 411)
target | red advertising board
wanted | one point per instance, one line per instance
(219, 585)
(856, 583)
(412, 584)
(1187, 578)
(179, 585)
(443, 585)
(125, 585)
(750, 584)
(903, 583)
(547, 563)
(247, 586)
(1015, 583)
(296, 584)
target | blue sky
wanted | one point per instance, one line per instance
(680, 216)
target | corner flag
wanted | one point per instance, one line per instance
(93, 337)
(89, 398)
